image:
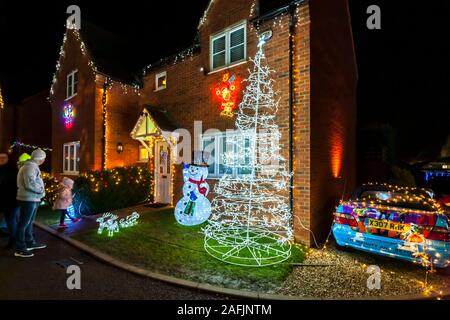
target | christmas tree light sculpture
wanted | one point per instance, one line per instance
(251, 221)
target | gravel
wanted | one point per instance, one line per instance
(346, 277)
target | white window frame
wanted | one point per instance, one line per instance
(70, 90)
(157, 77)
(227, 33)
(218, 136)
(142, 160)
(71, 164)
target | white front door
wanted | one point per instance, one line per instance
(163, 176)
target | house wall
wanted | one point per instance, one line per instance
(123, 109)
(32, 125)
(84, 106)
(333, 110)
(122, 112)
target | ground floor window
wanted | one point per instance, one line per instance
(229, 153)
(143, 154)
(71, 157)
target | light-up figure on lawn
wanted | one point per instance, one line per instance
(194, 208)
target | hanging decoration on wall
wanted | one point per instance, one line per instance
(227, 92)
(251, 218)
(194, 208)
(24, 145)
(68, 115)
(111, 223)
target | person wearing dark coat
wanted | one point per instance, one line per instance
(8, 191)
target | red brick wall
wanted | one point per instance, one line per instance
(122, 113)
(32, 124)
(333, 110)
(83, 102)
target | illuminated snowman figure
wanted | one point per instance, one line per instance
(194, 208)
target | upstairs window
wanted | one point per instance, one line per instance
(229, 47)
(161, 81)
(72, 84)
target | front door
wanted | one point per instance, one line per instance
(163, 180)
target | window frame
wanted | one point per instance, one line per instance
(157, 77)
(71, 88)
(70, 170)
(227, 33)
(218, 152)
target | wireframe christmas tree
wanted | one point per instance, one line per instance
(251, 218)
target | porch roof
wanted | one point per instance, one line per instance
(152, 122)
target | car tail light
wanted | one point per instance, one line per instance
(346, 219)
(438, 234)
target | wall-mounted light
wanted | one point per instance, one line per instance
(204, 70)
(119, 147)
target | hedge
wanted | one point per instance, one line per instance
(102, 191)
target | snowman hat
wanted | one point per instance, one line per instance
(200, 158)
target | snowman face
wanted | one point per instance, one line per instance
(198, 173)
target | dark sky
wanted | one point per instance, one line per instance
(404, 68)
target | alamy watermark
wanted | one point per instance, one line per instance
(73, 282)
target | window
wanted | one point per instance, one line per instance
(229, 47)
(225, 148)
(72, 84)
(161, 81)
(71, 157)
(143, 154)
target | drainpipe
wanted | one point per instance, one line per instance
(291, 103)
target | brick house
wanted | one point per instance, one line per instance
(91, 79)
(27, 122)
(312, 53)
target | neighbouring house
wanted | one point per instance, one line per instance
(27, 124)
(101, 119)
(95, 102)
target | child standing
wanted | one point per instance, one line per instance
(64, 201)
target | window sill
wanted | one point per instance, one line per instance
(159, 89)
(72, 96)
(227, 67)
(142, 161)
(70, 173)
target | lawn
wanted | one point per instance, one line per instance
(47, 215)
(160, 244)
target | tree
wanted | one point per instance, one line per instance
(251, 218)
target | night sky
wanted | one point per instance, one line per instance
(404, 69)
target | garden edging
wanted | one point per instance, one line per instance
(199, 285)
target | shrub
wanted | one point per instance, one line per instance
(51, 188)
(101, 191)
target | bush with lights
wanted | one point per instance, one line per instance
(102, 191)
(51, 188)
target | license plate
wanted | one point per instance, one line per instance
(388, 225)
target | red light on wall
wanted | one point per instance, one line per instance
(336, 154)
(227, 92)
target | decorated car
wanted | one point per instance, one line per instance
(399, 222)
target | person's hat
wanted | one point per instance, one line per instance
(38, 154)
(67, 182)
(200, 158)
(24, 157)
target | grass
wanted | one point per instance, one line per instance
(160, 244)
(47, 215)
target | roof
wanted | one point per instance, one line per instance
(268, 9)
(151, 122)
(162, 118)
(111, 54)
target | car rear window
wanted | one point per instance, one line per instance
(397, 199)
